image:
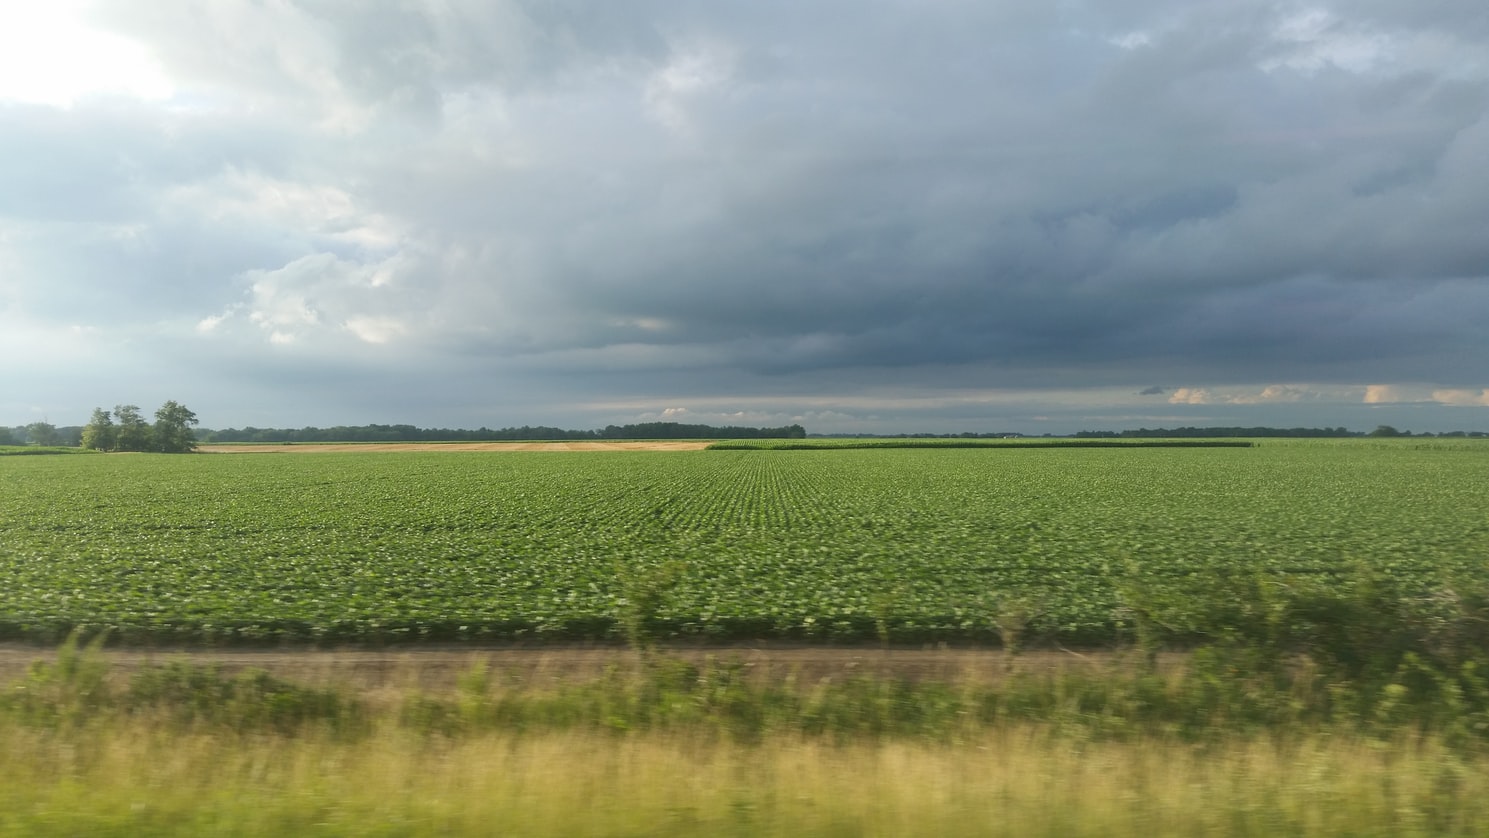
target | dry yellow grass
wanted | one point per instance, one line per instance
(135, 778)
(97, 767)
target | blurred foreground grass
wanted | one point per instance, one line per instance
(658, 746)
(133, 778)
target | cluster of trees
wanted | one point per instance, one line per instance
(409, 433)
(125, 429)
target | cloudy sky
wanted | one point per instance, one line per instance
(860, 216)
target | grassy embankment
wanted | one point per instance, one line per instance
(1228, 741)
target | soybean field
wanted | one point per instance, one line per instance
(849, 545)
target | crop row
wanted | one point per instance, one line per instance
(919, 543)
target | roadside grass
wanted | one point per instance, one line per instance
(656, 745)
(136, 779)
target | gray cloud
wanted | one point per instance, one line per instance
(671, 202)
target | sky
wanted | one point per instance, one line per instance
(875, 216)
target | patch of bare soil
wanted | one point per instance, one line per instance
(314, 447)
(437, 668)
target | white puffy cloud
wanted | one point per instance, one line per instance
(50, 55)
(1190, 395)
(319, 298)
(691, 73)
(315, 211)
(1273, 393)
(1382, 394)
(1462, 398)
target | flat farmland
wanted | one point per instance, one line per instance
(908, 545)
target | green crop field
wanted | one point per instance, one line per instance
(900, 544)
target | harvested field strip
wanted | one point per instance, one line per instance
(449, 447)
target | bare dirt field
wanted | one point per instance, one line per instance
(314, 447)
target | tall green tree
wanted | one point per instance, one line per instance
(134, 431)
(42, 433)
(101, 433)
(173, 424)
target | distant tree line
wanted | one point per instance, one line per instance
(125, 429)
(962, 435)
(674, 430)
(1188, 432)
(1388, 431)
(1181, 433)
(410, 433)
(1341, 432)
(38, 433)
(121, 431)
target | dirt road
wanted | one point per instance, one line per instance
(437, 667)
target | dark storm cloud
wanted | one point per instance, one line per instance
(681, 200)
